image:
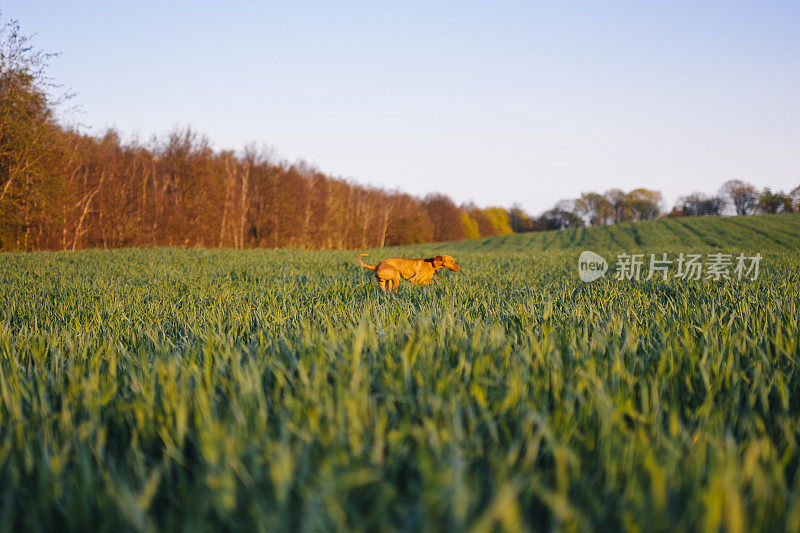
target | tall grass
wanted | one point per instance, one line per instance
(196, 389)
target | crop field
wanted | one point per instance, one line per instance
(170, 389)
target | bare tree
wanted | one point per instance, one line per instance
(618, 201)
(387, 212)
(795, 196)
(697, 205)
(445, 218)
(743, 196)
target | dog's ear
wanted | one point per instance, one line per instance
(438, 261)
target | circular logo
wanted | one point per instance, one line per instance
(591, 266)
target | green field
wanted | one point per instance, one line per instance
(272, 390)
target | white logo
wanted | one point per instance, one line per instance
(591, 266)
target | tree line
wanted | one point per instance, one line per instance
(735, 197)
(739, 198)
(64, 190)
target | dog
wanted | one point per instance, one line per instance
(419, 271)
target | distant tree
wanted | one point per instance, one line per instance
(558, 219)
(30, 144)
(795, 197)
(644, 204)
(483, 224)
(676, 212)
(595, 208)
(499, 219)
(471, 230)
(743, 196)
(409, 223)
(562, 216)
(618, 201)
(520, 220)
(445, 218)
(572, 220)
(713, 205)
(697, 205)
(771, 203)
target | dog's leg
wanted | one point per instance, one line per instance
(382, 283)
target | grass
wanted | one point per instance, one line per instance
(273, 390)
(752, 232)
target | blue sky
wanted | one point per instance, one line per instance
(495, 102)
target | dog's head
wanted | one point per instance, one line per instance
(444, 261)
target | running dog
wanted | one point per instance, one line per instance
(419, 271)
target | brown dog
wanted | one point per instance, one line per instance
(419, 271)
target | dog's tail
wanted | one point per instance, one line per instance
(363, 264)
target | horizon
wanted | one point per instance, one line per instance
(566, 101)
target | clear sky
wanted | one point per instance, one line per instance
(495, 102)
